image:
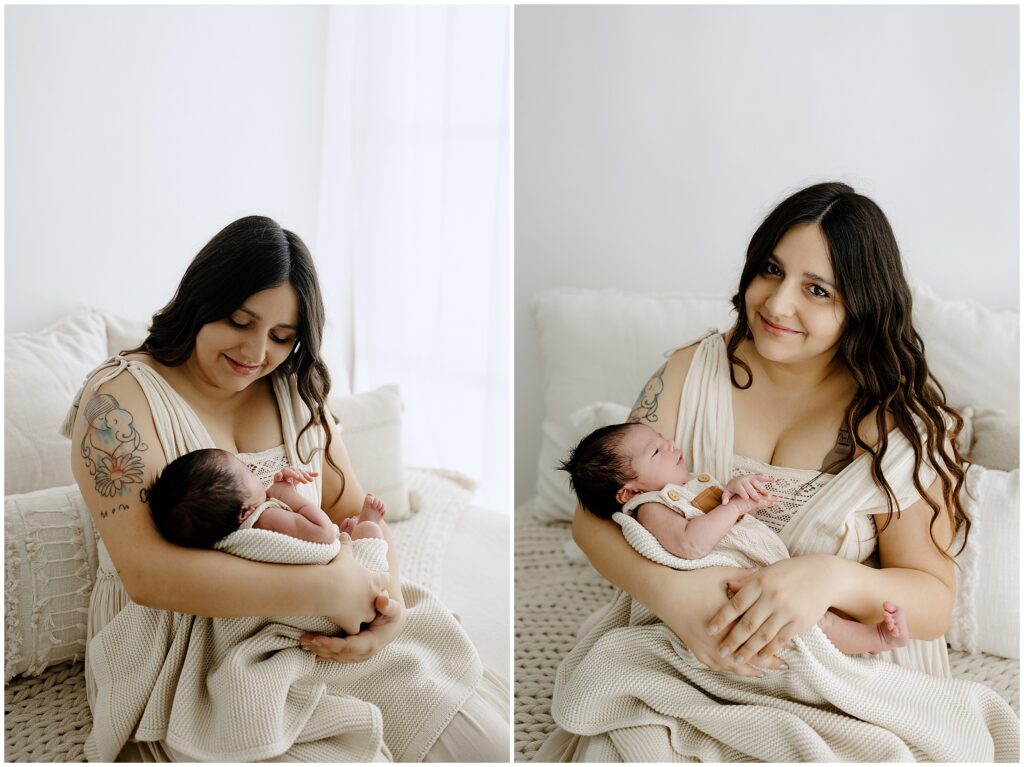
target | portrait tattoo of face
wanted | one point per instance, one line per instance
(111, 446)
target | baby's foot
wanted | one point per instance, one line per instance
(373, 509)
(893, 627)
(347, 525)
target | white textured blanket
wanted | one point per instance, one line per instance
(241, 689)
(826, 707)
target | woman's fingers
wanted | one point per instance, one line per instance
(759, 638)
(742, 599)
(781, 642)
(350, 649)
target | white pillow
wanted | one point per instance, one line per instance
(994, 439)
(973, 351)
(42, 373)
(987, 613)
(557, 501)
(50, 566)
(371, 426)
(603, 345)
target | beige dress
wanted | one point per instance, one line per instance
(469, 721)
(830, 515)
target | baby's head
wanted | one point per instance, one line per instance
(612, 464)
(202, 496)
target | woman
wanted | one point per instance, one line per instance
(822, 367)
(233, 361)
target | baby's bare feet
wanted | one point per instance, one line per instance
(373, 509)
(893, 627)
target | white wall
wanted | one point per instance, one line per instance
(651, 141)
(135, 133)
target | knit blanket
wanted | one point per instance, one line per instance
(241, 689)
(826, 707)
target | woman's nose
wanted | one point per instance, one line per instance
(781, 300)
(255, 349)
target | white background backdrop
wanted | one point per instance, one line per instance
(135, 133)
(651, 141)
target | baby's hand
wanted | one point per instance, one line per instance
(742, 506)
(294, 475)
(750, 487)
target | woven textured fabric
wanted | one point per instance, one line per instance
(47, 717)
(554, 596)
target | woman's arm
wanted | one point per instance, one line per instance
(123, 458)
(685, 601)
(777, 603)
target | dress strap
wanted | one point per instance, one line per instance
(120, 364)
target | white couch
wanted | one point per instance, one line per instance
(456, 549)
(599, 346)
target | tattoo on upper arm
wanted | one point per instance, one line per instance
(646, 405)
(111, 447)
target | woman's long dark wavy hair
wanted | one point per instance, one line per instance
(879, 345)
(249, 255)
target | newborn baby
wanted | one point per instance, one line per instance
(614, 464)
(205, 495)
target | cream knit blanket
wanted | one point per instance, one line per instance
(826, 707)
(635, 692)
(229, 689)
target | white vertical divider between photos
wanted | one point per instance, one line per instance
(413, 224)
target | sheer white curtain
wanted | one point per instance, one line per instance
(414, 224)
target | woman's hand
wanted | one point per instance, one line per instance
(358, 589)
(696, 595)
(383, 629)
(772, 605)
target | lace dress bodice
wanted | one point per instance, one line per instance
(266, 463)
(793, 488)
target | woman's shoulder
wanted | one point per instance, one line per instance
(681, 359)
(112, 386)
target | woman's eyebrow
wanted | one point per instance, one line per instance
(256, 317)
(819, 278)
(810, 275)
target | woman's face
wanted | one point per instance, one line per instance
(793, 309)
(251, 341)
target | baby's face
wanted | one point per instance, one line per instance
(255, 493)
(656, 461)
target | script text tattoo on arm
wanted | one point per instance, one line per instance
(646, 405)
(111, 448)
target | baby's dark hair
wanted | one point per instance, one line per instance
(197, 498)
(597, 470)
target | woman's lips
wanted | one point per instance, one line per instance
(242, 370)
(776, 330)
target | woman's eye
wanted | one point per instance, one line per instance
(819, 292)
(772, 269)
(277, 340)
(235, 324)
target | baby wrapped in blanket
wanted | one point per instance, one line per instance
(689, 524)
(237, 689)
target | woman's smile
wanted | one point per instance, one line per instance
(240, 369)
(776, 330)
